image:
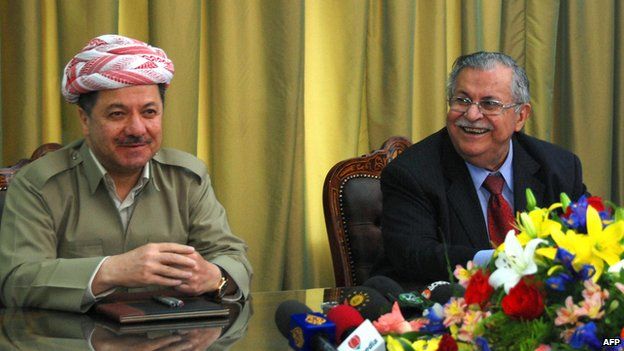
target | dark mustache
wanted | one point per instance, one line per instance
(133, 139)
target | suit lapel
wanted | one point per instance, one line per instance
(524, 169)
(461, 194)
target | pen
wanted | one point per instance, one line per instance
(169, 301)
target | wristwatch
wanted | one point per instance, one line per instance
(223, 284)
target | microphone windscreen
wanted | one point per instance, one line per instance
(441, 292)
(346, 318)
(283, 313)
(367, 301)
(388, 288)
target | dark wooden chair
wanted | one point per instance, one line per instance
(7, 173)
(352, 206)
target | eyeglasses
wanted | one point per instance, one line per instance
(487, 107)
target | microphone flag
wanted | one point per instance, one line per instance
(365, 338)
(305, 327)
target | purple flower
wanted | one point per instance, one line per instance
(482, 344)
(559, 281)
(585, 335)
(576, 214)
(435, 315)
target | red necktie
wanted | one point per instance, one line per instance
(499, 214)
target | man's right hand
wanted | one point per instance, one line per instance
(164, 264)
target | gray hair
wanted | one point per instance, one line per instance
(486, 61)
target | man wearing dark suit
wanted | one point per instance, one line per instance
(434, 199)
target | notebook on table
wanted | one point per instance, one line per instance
(146, 309)
(161, 325)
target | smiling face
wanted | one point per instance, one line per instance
(484, 140)
(124, 129)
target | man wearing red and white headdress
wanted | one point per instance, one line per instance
(115, 211)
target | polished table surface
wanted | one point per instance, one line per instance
(252, 327)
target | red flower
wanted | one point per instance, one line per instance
(447, 343)
(593, 201)
(479, 289)
(596, 203)
(523, 302)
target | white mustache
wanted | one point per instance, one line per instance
(462, 122)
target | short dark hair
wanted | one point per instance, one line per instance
(488, 60)
(86, 101)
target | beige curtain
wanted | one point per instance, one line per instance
(272, 93)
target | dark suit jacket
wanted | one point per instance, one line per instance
(429, 200)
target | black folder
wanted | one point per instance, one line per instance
(147, 310)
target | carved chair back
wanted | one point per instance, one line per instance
(352, 204)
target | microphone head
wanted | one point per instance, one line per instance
(311, 331)
(346, 318)
(441, 291)
(367, 301)
(283, 313)
(388, 288)
(304, 329)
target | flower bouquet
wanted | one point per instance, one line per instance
(556, 285)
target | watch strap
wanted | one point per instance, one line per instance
(223, 284)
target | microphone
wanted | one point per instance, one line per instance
(304, 329)
(411, 303)
(346, 318)
(441, 291)
(353, 331)
(369, 302)
(388, 288)
(284, 311)
(364, 337)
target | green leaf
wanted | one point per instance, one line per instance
(530, 199)
(565, 201)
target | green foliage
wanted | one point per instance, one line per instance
(504, 333)
(613, 321)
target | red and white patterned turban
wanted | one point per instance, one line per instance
(113, 61)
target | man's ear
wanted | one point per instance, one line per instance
(84, 121)
(522, 116)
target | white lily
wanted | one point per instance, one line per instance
(514, 262)
(617, 268)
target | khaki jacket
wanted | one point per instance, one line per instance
(59, 222)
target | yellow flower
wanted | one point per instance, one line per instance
(393, 344)
(454, 311)
(537, 224)
(597, 247)
(463, 274)
(454, 329)
(398, 344)
(420, 345)
(606, 242)
(427, 345)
